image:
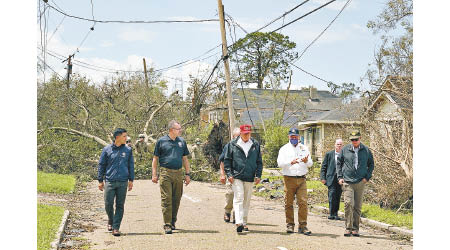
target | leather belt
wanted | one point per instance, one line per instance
(297, 176)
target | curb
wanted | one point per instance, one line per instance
(59, 235)
(373, 223)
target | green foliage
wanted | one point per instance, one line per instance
(263, 54)
(388, 216)
(55, 183)
(395, 54)
(64, 153)
(275, 137)
(48, 220)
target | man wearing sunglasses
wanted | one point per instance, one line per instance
(354, 169)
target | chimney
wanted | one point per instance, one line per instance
(312, 93)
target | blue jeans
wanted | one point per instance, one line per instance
(115, 190)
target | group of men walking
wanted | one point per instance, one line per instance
(344, 169)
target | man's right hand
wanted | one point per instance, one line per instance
(223, 179)
(231, 179)
(294, 161)
(101, 185)
(323, 181)
(155, 179)
(341, 181)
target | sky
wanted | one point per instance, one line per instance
(341, 54)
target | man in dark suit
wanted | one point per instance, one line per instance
(328, 177)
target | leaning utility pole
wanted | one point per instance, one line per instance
(69, 70)
(145, 72)
(227, 68)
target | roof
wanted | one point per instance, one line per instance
(268, 100)
(398, 90)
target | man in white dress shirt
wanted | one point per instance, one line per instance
(294, 159)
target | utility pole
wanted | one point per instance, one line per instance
(227, 68)
(145, 72)
(69, 70)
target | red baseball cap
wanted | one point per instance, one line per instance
(245, 129)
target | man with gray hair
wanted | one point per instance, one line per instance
(171, 152)
(223, 179)
(328, 176)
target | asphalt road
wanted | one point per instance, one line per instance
(201, 225)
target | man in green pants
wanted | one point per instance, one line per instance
(171, 152)
(354, 169)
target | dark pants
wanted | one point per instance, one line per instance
(115, 190)
(334, 197)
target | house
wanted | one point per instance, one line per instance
(258, 106)
(389, 119)
(321, 130)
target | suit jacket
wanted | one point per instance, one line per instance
(328, 170)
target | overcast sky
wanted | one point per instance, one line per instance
(342, 54)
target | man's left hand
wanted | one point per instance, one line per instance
(257, 180)
(364, 180)
(305, 160)
(130, 185)
(187, 179)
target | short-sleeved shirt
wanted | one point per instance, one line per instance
(171, 152)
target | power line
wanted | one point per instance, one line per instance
(282, 16)
(323, 31)
(131, 21)
(279, 28)
(311, 74)
(49, 67)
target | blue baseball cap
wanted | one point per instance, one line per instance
(293, 131)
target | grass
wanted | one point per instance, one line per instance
(374, 212)
(48, 220)
(55, 183)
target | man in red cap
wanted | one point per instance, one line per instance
(243, 166)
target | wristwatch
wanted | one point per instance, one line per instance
(188, 174)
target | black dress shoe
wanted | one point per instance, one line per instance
(226, 217)
(331, 217)
(239, 228)
(337, 218)
(304, 230)
(173, 226)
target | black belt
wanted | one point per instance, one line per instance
(297, 176)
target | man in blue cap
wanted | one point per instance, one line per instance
(294, 159)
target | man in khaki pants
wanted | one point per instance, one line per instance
(294, 159)
(354, 169)
(171, 151)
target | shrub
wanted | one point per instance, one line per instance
(274, 137)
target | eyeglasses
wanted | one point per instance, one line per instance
(354, 139)
(177, 128)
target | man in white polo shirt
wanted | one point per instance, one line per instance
(294, 160)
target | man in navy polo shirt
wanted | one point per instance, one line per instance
(171, 152)
(116, 166)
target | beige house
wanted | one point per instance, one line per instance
(389, 119)
(321, 131)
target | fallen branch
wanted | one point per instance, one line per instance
(84, 134)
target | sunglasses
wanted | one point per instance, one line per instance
(354, 139)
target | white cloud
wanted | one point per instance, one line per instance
(181, 75)
(137, 35)
(106, 44)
